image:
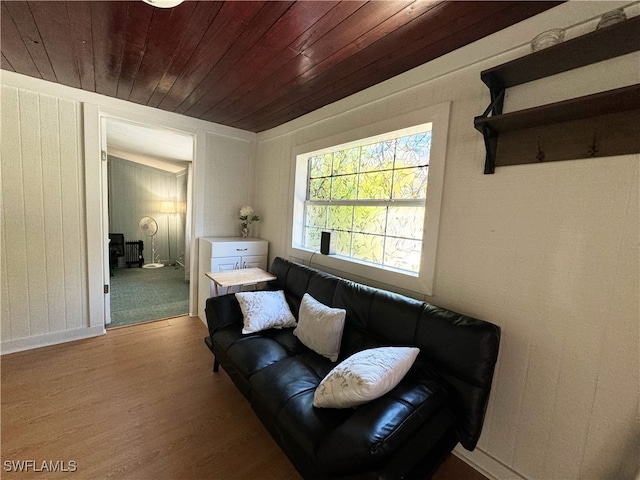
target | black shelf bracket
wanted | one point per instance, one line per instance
(490, 136)
(490, 145)
(496, 90)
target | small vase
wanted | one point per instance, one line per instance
(609, 18)
(244, 231)
(547, 39)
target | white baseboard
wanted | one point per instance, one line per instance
(484, 463)
(28, 343)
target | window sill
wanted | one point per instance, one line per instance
(387, 276)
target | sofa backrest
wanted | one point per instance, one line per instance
(296, 280)
(463, 350)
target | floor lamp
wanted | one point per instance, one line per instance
(168, 208)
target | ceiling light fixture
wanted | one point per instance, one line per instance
(163, 3)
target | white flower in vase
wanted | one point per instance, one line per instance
(247, 216)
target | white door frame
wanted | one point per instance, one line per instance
(96, 193)
(200, 130)
(94, 219)
(104, 169)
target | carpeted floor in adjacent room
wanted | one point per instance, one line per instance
(144, 294)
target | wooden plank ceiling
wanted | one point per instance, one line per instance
(247, 64)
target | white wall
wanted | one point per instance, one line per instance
(230, 173)
(44, 275)
(548, 252)
(52, 237)
(135, 191)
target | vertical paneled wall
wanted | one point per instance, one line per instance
(43, 238)
(547, 251)
(46, 289)
(230, 174)
(136, 191)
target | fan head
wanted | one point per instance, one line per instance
(148, 226)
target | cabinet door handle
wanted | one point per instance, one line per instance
(241, 249)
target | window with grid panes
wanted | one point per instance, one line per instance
(372, 197)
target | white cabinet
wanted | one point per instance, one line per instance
(234, 263)
(217, 254)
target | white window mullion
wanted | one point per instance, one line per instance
(420, 202)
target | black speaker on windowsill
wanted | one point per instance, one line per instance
(328, 243)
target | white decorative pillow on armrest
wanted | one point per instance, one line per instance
(364, 376)
(264, 310)
(320, 327)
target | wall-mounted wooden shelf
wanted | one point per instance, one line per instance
(610, 42)
(618, 39)
(603, 103)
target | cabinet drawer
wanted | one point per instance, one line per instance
(239, 248)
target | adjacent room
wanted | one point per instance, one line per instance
(320, 239)
(148, 176)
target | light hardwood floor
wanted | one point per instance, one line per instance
(139, 403)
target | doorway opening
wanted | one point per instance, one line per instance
(148, 203)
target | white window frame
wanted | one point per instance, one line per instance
(438, 116)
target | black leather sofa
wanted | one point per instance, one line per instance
(406, 433)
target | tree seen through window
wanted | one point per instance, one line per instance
(373, 198)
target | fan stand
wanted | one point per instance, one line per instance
(154, 255)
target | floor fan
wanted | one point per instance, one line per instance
(149, 227)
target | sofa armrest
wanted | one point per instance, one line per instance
(222, 311)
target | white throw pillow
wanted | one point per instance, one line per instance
(320, 327)
(263, 310)
(364, 376)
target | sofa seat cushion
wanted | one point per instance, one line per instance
(254, 352)
(227, 336)
(377, 429)
(282, 396)
(334, 440)
(286, 339)
(292, 376)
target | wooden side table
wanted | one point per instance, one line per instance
(241, 277)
